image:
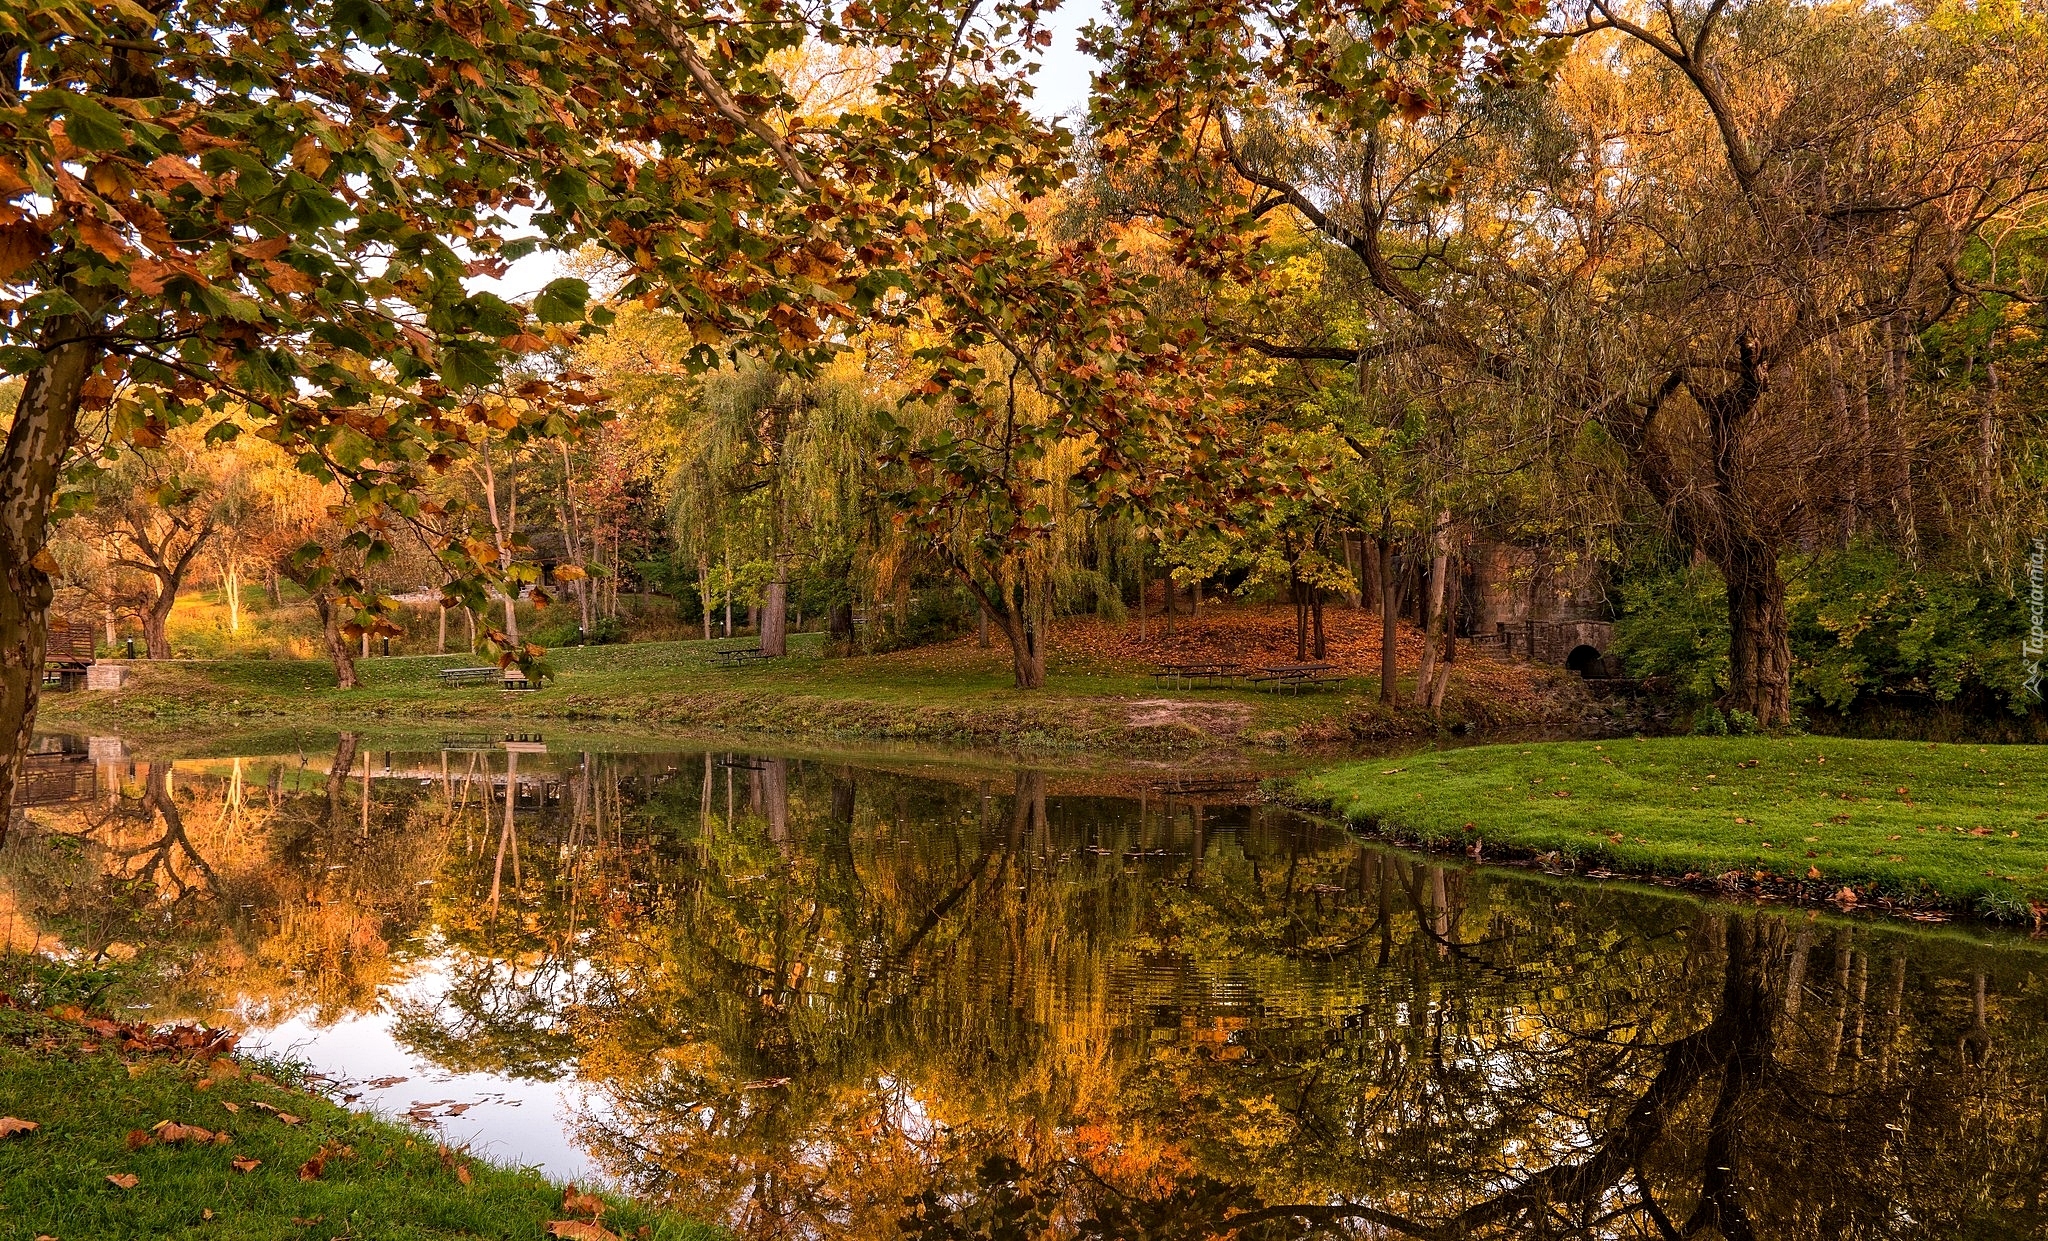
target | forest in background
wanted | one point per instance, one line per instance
(1733, 305)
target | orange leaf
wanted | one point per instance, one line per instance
(172, 1131)
(11, 1125)
(20, 244)
(101, 236)
(126, 1180)
(245, 1164)
(285, 278)
(577, 1203)
(580, 1230)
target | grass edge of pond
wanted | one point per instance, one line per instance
(97, 1098)
(1911, 828)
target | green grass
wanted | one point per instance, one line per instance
(1953, 826)
(953, 694)
(379, 1180)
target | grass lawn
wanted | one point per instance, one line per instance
(1959, 827)
(953, 693)
(244, 1156)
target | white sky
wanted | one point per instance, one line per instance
(1061, 91)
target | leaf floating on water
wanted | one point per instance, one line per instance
(766, 1083)
(11, 1125)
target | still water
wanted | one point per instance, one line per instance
(872, 997)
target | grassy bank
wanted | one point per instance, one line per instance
(139, 1134)
(1099, 695)
(1950, 827)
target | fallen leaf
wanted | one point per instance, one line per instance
(577, 1203)
(580, 1230)
(245, 1164)
(11, 1125)
(232, 1107)
(312, 1168)
(462, 1173)
(172, 1131)
(290, 1119)
(205, 1212)
(1813, 872)
(137, 1139)
(126, 1180)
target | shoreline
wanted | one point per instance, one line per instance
(948, 696)
(1978, 849)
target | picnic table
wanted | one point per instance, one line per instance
(737, 656)
(1292, 676)
(1212, 671)
(512, 678)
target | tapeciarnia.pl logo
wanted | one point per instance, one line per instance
(2037, 638)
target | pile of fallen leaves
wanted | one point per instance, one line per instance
(139, 1039)
(1265, 635)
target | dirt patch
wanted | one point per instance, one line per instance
(1217, 719)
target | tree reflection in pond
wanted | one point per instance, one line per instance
(822, 999)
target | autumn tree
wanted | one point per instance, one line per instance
(206, 204)
(1678, 238)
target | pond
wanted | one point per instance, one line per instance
(871, 996)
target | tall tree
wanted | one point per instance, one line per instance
(1674, 240)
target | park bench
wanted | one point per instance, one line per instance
(510, 678)
(67, 654)
(734, 657)
(1292, 677)
(1211, 671)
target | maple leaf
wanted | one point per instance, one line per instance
(11, 1125)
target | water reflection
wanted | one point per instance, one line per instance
(826, 998)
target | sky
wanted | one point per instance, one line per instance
(1060, 90)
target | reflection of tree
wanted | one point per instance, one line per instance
(815, 1000)
(905, 992)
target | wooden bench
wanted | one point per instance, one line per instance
(1293, 676)
(734, 657)
(67, 654)
(1212, 671)
(509, 678)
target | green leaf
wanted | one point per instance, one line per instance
(86, 123)
(562, 301)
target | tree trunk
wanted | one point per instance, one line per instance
(156, 621)
(1432, 605)
(232, 580)
(774, 616)
(1321, 650)
(45, 419)
(1298, 595)
(1760, 639)
(328, 608)
(1390, 624)
(704, 595)
(441, 630)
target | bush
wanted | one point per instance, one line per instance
(1864, 624)
(1674, 625)
(1709, 722)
